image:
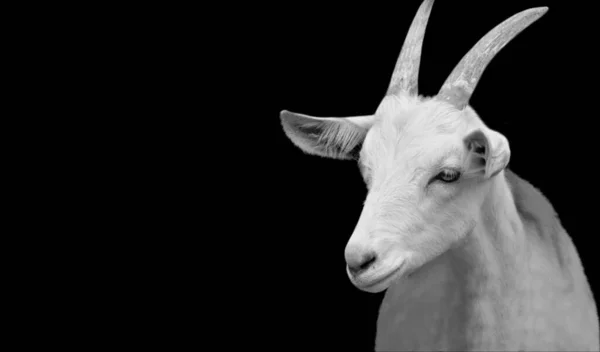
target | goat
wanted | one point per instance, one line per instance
(472, 256)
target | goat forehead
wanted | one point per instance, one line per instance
(399, 118)
(413, 130)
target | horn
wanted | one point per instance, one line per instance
(406, 73)
(459, 86)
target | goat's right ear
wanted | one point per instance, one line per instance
(330, 137)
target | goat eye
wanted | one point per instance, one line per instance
(448, 176)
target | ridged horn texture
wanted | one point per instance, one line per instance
(406, 73)
(459, 86)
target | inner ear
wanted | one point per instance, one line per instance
(354, 153)
(338, 138)
(312, 131)
(318, 131)
(478, 149)
(477, 143)
(489, 152)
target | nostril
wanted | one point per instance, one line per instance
(363, 264)
(370, 260)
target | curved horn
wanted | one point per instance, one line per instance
(406, 73)
(462, 81)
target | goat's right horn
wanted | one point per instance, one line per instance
(406, 73)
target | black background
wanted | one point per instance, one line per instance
(299, 210)
(193, 201)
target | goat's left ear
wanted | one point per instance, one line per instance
(488, 152)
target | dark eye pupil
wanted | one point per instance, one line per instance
(448, 176)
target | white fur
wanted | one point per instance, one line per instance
(464, 268)
(480, 264)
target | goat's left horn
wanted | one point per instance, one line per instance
(462, 81)
(406, 72)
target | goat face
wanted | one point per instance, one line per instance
(424, 163)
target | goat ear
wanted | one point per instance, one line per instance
(337, 138)
(488, 152)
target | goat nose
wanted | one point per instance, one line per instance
(359, 261)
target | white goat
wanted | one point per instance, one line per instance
(472, 256)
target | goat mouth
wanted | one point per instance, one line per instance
(384, 278)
